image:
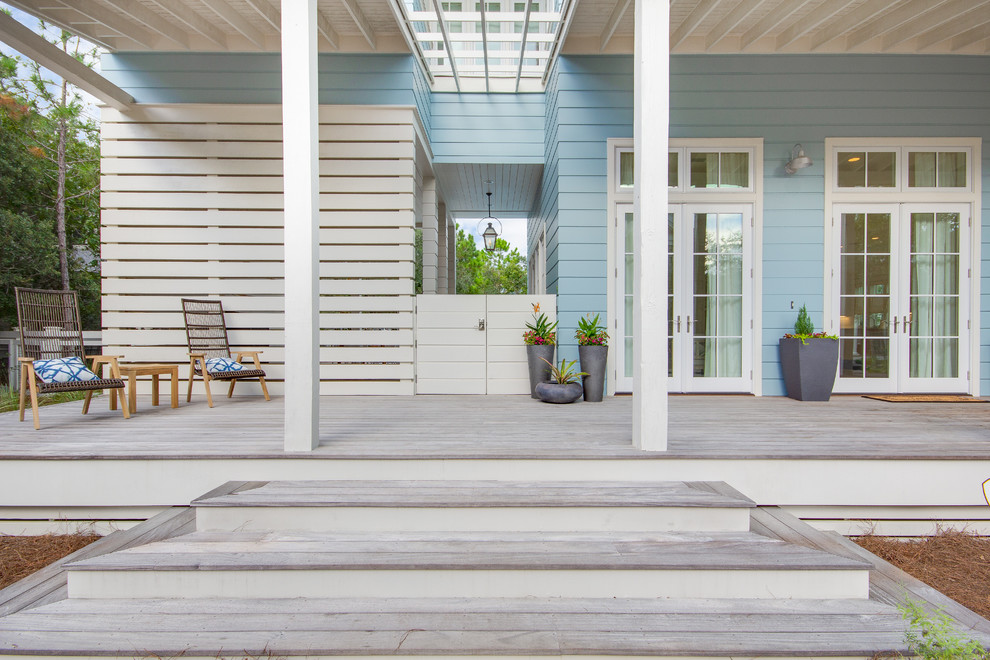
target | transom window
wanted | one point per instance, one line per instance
(902, 168)
(708, 170)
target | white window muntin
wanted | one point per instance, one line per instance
(901, 150)
(682, 173)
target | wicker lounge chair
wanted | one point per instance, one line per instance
(54, 358)
(206, 334)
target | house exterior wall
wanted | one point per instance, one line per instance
(783, 99)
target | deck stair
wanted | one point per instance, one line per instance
(458, 568)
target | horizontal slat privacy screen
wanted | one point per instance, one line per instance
(192, 207)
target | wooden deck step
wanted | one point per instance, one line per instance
(469, 564)
(473, 506)
(208, 628)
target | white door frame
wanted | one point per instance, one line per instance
(682, 194)
(970, 196)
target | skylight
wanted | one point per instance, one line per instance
(486, 45)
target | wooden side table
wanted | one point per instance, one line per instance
(132, 371)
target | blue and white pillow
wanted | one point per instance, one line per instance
(63, 370)
(221, 365)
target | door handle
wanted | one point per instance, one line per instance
(689, 324)
(481, 324)
(907, 323)
(678, 323)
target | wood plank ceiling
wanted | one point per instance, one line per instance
(697, 26)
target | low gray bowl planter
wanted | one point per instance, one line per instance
(809, 368)
(557, 393)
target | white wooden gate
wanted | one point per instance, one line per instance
(473, 344)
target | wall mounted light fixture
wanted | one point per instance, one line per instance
(799, 160)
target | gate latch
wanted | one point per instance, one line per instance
(481, 324)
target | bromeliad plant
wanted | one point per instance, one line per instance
(804, 328)
(564, 374)
(590, 331)
(541, 331)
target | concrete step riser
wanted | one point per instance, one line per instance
(496, 519)
(386, 583)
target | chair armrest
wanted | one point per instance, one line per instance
(100, 360)
(253, 354)
(22, 360)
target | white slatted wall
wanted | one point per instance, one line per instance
(192, 207)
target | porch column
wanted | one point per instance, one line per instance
(651, 103)
(300, 168)
(430, 235)
(442, 247)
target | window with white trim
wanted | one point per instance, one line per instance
(694, 170)
(902, 168)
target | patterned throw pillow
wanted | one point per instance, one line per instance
(63, 370)
(220, 365)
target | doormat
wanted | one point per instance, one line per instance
(925, 398)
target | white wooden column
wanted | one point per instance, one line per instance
(301, 174)
(430, 236)
(441, 247)
(651, 103)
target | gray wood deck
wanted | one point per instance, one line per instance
(724, 427)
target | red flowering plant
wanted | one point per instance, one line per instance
(541, 331)
(590, 331)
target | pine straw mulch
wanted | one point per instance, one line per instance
(22, 555)
(953, 562)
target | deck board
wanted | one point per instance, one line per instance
(479, 427)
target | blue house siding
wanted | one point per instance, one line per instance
(487, 128)
(785, 100)
(256, 78)
(589, 99)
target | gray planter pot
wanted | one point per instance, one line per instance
(557, 393)
(539, 371)
(593, 360)
(809, 369)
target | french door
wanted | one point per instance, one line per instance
(709, 301)
(901, 297)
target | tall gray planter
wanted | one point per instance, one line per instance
(809, 368)
(539, 371)
(593, 360)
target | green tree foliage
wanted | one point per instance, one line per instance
(501, 271)
(49, 184)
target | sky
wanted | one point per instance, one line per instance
(514, 231)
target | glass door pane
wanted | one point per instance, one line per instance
(934, 295)
(717, 295)
(627, 295)
(865, 295)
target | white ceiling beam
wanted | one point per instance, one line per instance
(769, 22)
(324, 27)
(693, 20)
(34, 46)
(54, 16)
(362, 22)
(970, 37)
(618, 11)
(446, 44)
(138, 12)
(399, 13)
(111, 20)
(484, 44)
(237, 21)
(266, 11)
(522, 47)
(975, 17)
(924, 23)
(730, 22)
(817, 17)
(889, 21)
(842, 26)
(184, 14)
(567, 13)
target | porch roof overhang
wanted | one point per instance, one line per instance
(581, 27)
